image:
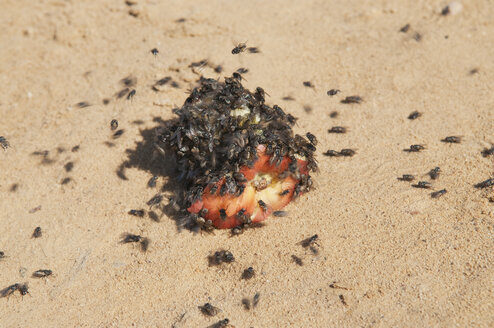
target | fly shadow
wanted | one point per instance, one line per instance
(160, 162)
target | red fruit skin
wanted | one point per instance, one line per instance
(248, 199)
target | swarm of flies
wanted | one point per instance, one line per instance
(211, 143)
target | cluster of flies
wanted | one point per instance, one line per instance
(212, 140)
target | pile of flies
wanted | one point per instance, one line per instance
(131, 238)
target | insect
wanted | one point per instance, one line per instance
(417, 36)
(209, 310)
(337, 129)
(155, 51)
(106, 101)
(406, 177)
(333, 114)
(414, 115)
(297, 260)
(487, 152)
(262, 205)
(414, 148)
(248, 273)
(452, 139)
(68, 166)
(255, 300)
(155, 200)
(242, 70)
(175, 84)
(237, 231)
(485, 184)
(131, 94)
(342, 299)
(66, 180)
(434, 173)
(347, 152)
(253, 50)
(24, 289)
(352, 100)
(331, 153)
(2, 254)
(131, 238)
(405, 28)
(288, 98)
(308, 108)
(423, 185)
(308, 84)
(9, 290)
(122, 92)
(152, 181)
(312, 138)
(246, 303)
(280, 213)
(437, 194)
(223, 215)
(446, 11)
(239, 48)
(42, 273)
(153, 216)
(4, 143)
(221, 256)
(260, 94)
(83, 104)
(163, 81)
(37, 232)
(333, 92)
(129, 81)
(221, 324)
(139, 213)
(309, 241)
(114, 124)
(237, 76)
(75, 148)
(218, 69)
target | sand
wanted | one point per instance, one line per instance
(398, 257)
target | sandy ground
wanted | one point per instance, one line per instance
(402, 258)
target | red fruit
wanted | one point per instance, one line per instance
(264, 193)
